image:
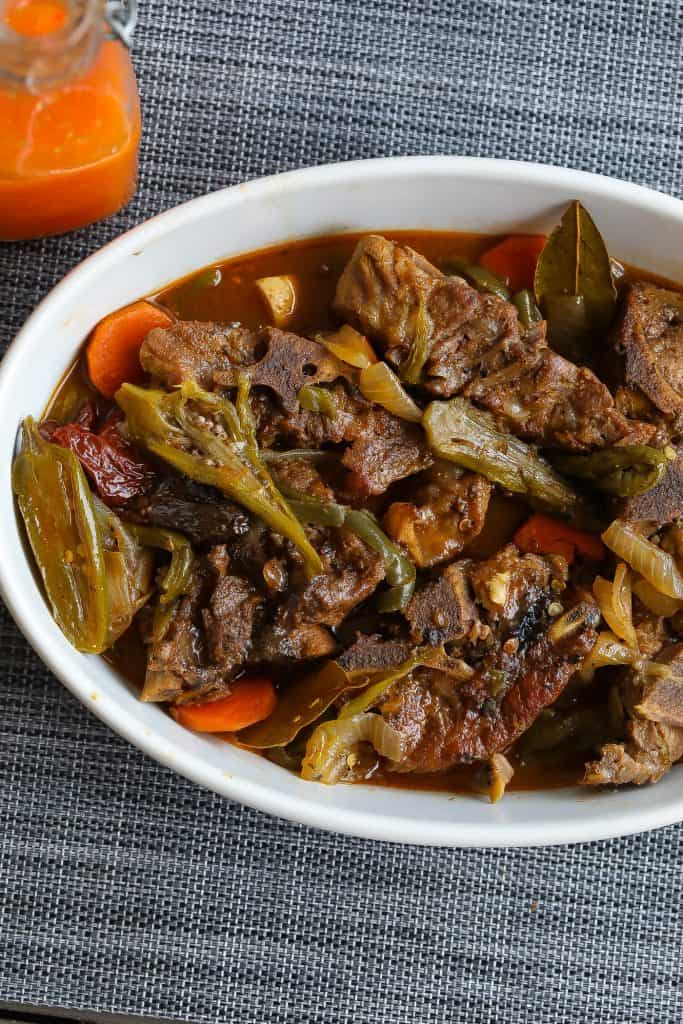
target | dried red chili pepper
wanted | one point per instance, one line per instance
(116, 470)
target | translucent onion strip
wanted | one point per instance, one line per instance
(615, 604)
(378, 383)
(349, 346)
(330, 750)
(655, 601)
(655, 565)
(607, 650)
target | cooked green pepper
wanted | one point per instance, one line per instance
(61, 523)
(163, 614)
(621, 471)
(175, 579)
(396, 598)
(308, 509)
(583, 728)
(413, 365)
(480, 277)
(173, 426)
(527, 310)
(310, 454)
(316, 399)
(420, 656)
(459, 432)
(398, 569)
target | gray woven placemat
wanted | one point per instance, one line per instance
(124, 888)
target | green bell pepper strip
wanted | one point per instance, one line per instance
(623, 471)
(62, 527)
(421, 656)
(176, 578)
(167, 427)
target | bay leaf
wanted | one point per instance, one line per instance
(575, 262)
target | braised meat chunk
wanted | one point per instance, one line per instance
(476, 346)
(389, 292)
(384, 449)
(549, 400)
(649, 336)
(446, 725)
(649, 703)
(442, 610)
(447, 511)
(202, 513)
(189, 350)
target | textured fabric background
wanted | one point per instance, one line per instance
(124, 888)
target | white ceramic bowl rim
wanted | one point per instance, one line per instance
(617, 814)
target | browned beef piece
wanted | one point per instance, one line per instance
(384, 449)
(446, 722)
(551, 401)
(650, 338)
(202, 513)
(476, 347)
(661, 696)
(288, 363)
(177, 667)
(229, 621)
(209, 636)
(442, 610)
(662, 503)
(651, 630)
(386, 289)
(651, 727)
(374, 654)
(647, 753)
(514, 591)
(302, 475)
(194, 350)
(447, 511)
(352, 573)
(280, 645)
(301, 428)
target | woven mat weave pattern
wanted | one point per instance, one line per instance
(124, 888)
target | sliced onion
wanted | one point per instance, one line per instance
(333, 743)
(655, 565)
(349, 346)
(607, 650)
(615, 604)
(378, 383)
(657, 602)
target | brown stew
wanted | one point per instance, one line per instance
(368, 475)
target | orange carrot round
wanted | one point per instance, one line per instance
(544, 535)
(113, 351)
(250, 701)
(514, 260)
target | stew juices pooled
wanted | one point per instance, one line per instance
(397, 508)
(70, 117)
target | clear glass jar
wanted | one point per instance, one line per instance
(70, 115)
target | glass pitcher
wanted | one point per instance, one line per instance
(70, 114)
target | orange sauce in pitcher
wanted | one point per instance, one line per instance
(68, 155)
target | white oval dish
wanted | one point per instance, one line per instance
(640, 226)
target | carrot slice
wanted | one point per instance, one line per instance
(544, 535)
(113, 352)
(250, 701)
(514, 260)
